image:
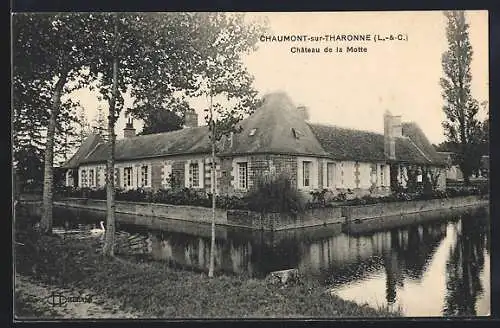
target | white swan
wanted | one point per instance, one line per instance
(98, 231)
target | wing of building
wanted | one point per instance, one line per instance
(276, 138)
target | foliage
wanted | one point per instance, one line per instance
(221, 72)
(186, 196)
(318, 196)
(275, 193)
(49, 50)
(461, 126)
(29, 167)
(162, 120)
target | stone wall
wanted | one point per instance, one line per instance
(393, 221)
(361, 212)
(278, 221)
(177, 212)
(147, 213)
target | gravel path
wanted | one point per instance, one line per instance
(35, 300)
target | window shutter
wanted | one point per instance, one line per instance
(167, 171)
(300, 174)
(314, 173)
(234, 173)
(149, 182)
(201, 168)
(136, 182)
(122, 176)
(186, 174)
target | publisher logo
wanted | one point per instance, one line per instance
(59, 300)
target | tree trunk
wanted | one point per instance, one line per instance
(212, 173)
(48, 177)
(109, 242)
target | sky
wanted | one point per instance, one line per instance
(354, 89)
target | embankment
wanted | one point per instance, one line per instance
(355, 218)
(367, 218)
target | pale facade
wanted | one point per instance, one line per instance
(275, 139)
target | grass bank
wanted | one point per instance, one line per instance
(158, 291)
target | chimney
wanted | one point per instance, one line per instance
(190, 119)
(389, 135)
(129, 130)
(304, 112)
(397, 129)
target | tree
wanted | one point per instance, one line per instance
(485, 130)
(158, 120)
(28, 124)
(108, 249)
(148, 55)
(461, 126)
(224, 38)
(84, 129)
(99, 124)
(48, 51)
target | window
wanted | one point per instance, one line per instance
(127, 177)
(382, 180)
(91, 178)
(194, 175)
(243, 175)
(84, 178)
(144, 176)
(296, 133)
(330, 171)
(306, 176)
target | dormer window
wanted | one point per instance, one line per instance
(252, 132)
(296, 133)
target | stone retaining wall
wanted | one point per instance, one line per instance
(360, 212)
(155, 215)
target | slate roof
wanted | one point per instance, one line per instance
(417, 136)
(276, 127)
(87, 146)
(349, 144)
(186, 141)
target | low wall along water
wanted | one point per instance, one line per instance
(353, 218)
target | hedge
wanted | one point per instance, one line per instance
(186, 196)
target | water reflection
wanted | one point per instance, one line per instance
(440, 270)
(463, 268)
(193, 252)
(432, 269)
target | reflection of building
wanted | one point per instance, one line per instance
(401, 252)
(194, 252)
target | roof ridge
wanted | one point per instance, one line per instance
(93, 150)
(420, 150)
(164, 133)
(343, 128)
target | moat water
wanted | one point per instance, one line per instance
(432, 269)
(437, 268)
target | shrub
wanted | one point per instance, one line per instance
(341, 197)
(275, 194)
(269, 194)
(319, 196)
(231, 202)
